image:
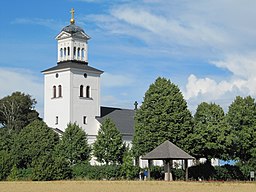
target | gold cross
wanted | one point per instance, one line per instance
(72, 20)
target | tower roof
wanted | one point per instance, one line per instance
(73, 65)
(72, 28)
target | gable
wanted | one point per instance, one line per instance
(63, 35)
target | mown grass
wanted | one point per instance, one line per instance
(126, 186)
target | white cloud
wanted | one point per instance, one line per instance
(50, 23)
(240, 65)
(12, 80)
(209, 90)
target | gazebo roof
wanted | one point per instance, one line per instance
(167, 150)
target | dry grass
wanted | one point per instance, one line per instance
(125, 186)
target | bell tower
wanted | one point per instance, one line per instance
(72, 87)
(72, 42)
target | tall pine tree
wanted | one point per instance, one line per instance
(108, 147)
(162, 116)
(74, 145)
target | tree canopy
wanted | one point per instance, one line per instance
(211, 135)
(162, 116)
(34, 141)
(17, 111)
(74, 145)
(242, 118)
(108, 147)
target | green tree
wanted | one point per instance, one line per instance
(33, 141)
(242, 118)
(74, 145)
(162, 116)
(129, 171)
(49, 167)
(108, 147)
(17, 111)
(5, 164)
(211, 136)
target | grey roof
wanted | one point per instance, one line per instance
(167, 150)
(73, 65)
(72, 28)
(123, 119)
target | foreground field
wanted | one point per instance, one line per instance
(125, 186)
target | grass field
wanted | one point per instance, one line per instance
(126, 186)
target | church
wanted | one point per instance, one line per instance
(72, 89)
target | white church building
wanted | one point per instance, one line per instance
(72, 89)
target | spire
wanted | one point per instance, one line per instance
(72, 20)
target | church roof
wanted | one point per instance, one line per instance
(167, 150)
(73, 65)
(72, 28)
(123, 119)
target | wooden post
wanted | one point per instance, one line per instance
(186, 170)
(149, 165)
(168, 169)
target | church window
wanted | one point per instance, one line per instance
(81, 90)
(54, 91)
(65, 51)
(82, 53)
(85, 75)
(85, 120)
(56, 120)
(68, 51)
(60, 90)
(78, 52)
(88, 91)
(61, 52)
(74, 51)
(56, 75)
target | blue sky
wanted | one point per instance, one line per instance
(207, 48)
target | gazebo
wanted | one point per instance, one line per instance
(167, 152)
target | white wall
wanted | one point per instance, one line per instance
(59, 106)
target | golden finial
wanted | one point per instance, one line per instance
(72, 20)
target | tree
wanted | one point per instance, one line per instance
(49, 167)
(242, 118)
(162, 116)
(211, 136)
(34, 141)
(108, 147)
(74, 145)
(17, 111)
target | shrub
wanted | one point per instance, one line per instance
(203, 171)
(96, 172)
(5, 164)
(47, 168)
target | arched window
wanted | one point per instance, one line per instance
(78, 52)
(81, 90)
(82, 53)
(74, 51)
(60, 91)
(88, 91)
(61, 52)
(68, 51)
(65, 51)
(54, 91)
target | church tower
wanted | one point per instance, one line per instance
(72, 87)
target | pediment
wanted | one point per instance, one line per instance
(63, 35)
